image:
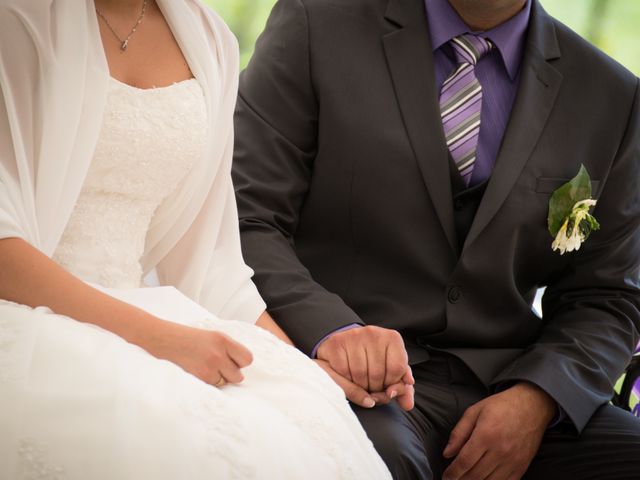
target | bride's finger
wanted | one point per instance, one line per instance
(353, 392)
(381, 398)
(239, 353)
(220, 383)
(402, 392)
(391, 392)
(230, 371)
(396, 390)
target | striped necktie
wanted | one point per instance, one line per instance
(461, 102)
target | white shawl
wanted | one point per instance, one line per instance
(53, 86)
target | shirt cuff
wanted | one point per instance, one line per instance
(314, 352)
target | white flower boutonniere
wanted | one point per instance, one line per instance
(569, 220)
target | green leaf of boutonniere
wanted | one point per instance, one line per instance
(564, 198)
(569, 220)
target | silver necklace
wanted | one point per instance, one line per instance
(125, 43)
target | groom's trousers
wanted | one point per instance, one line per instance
(411, 443)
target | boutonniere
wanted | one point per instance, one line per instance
(570, 222)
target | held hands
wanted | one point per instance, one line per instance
(497, 438)
(211, 356)
(370, 364)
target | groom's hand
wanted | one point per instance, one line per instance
(372, 358)
(498, 437)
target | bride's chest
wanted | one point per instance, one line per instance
(150, 140)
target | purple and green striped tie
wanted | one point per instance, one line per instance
(461, 102)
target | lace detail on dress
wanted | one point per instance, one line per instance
(34, 464)
(273, 355)
(8, 335)
(149, 142)
(223, 435)
(10, 331)
(323, 437)
(283, 361)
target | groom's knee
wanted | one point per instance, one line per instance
(397, 441)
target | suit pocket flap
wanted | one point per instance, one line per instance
(550, 185)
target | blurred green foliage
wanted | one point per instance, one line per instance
(246, 18)
(612, 25)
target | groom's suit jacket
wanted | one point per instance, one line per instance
(347, 208)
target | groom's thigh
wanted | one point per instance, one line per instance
(400, 439)
(608, 447)
(411, 443)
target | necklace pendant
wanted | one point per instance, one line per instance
(124, 45)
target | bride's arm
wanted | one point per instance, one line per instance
(265, 321)
(29, 277)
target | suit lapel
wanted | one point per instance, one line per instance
(539, 86)
(410, 60)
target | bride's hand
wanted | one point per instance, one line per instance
(209, 355)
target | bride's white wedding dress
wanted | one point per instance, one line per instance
(78, 402)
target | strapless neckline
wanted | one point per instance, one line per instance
(180, 83)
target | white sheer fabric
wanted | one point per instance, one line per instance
(54, 79)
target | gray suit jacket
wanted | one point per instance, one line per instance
(346, 209)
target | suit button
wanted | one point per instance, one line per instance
(458, 204)
(454, 295)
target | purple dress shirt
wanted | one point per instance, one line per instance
(498, 73)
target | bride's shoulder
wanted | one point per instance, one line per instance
(212, 21)
(221, 38)
(23, 22)
(38, 18)
(22, 9)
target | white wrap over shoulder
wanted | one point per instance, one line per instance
(54, 80)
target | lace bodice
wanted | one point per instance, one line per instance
(149, 141)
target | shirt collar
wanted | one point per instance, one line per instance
(508, 37)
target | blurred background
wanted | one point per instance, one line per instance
(612, 25)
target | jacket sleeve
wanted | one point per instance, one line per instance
(592, 310)
(276, 125)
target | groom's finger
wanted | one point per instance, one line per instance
(406, 400)
(408, 376)
(358, 366)
(353, 392)
(376, 365)
(397, 361)
(340, 362)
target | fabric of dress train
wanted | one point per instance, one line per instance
(79, 402)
